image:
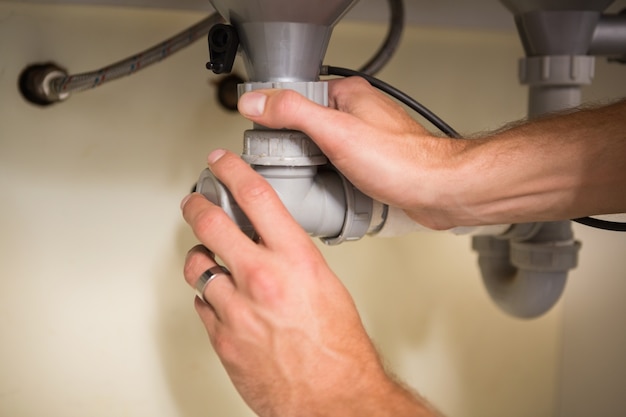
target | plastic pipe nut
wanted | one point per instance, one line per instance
(553, 70)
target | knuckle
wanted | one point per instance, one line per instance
(264, 285)
(343, 92)
(288, 97)
(350, 85)
(208, 221)
(193, 265)
(257, 190)
(288, 102)
(189, 271)
(229, 161)
(357, 83)
(222, 344)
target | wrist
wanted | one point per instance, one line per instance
(443, 168)
(383, 397)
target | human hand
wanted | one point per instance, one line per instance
(283, 325)
(373, 142)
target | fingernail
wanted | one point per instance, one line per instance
(215, 155)
(182, 203)
(252, 104)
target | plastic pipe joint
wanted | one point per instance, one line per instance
(319, 198)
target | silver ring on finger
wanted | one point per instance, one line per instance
(208, 276)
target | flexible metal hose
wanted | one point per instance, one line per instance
(62, 86)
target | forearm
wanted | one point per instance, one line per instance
(404, 402)
(384, 398)
(559, 167)
(354, 383)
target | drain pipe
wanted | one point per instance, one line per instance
(319, 198)
(525, 274)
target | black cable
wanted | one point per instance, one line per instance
(449, 131)
(395, 93)
(392, 40)
(601, 224)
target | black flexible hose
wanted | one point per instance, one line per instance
(601, 224)
(395, 93)
(392, 40)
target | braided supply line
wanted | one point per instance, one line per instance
(62, 86)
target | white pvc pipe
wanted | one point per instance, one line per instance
(398, 223)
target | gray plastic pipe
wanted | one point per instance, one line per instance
(326, 205)
(526, 276)
(318, 197)
(609, 38)
(525, 271)
(315, 199)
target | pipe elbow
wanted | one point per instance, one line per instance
(526, 279)
(521, 293)
(323, 202)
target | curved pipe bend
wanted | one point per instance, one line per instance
(321, 200)
(526, 278)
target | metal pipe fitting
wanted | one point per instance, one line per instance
(35, 84)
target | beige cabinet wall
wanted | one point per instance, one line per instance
(95, 317)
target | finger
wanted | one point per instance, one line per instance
(348, 141)
(217, 293)
(289, 109)
(256, 197)
(357, 97)
(363, 120)
(347, 94)
(216, 230)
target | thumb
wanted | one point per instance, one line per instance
(287, 109)
(281, 108)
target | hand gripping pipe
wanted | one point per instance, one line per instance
(320, 199)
